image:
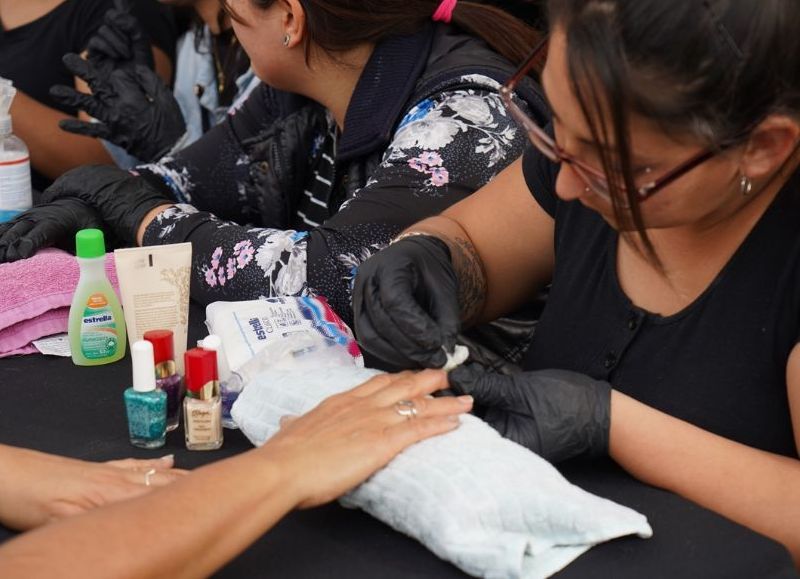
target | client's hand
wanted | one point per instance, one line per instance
(52, 224)
(345, 439)
(36, 488)
(555, 413)
(122, 200)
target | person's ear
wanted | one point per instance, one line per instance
(294, 23)
(769, 146)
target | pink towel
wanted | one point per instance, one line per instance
(20, 335)
(24, 351)
(35, 295)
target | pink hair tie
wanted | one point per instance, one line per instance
(444, 13)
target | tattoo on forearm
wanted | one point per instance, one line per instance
(471, 279)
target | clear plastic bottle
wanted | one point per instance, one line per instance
(96, 323)
(230, 384)
(15, 165)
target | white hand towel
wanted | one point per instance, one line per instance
(482, 502)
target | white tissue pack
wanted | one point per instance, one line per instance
(486, 504)
(245, 328)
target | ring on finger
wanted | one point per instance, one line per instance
(406, 408)
(147, 476)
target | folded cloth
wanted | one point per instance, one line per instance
(29, 349)
(482, 502)
(35, 295)
(17, 339)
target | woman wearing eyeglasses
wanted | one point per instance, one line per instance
(663, 205)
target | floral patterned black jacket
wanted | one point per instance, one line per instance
(278, 201)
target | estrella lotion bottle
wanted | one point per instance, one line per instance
(96, 323)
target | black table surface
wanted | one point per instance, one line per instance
(50, 405)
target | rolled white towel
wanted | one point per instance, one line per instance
(482, 502)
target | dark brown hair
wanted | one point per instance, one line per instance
(712, 69)
(339, 25)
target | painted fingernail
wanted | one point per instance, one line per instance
(167, 457)
(466, 400)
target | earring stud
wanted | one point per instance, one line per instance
(286, 40)
(745, 186)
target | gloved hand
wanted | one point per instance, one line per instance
(405, 303)
(119, 41)
(135, 109)
(53, 224)
(121, 199)
(555, 413)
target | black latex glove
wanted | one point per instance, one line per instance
(135, 109)
(405, 303)
(53, 224)
(121, 199)
(119, 41)
(555, 413)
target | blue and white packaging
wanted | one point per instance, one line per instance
(245, 328)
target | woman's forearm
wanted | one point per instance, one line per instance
(53, 151)
(754, 488)
(148, 219)
(467, 264)
(193, 526)
(501, 242)
(224, 254)
(9, 484)
(188, 529)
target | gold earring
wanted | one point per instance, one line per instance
(286, 40)
(745, 186)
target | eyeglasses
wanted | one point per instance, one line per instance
(595, 180)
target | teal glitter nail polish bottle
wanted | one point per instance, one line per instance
(145, 404)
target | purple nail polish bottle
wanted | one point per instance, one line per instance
(167, 378)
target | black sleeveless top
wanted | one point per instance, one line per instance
(720, 363)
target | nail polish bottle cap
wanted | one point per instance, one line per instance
(144, 375)
(163, 344)
(201, 373)
(214, 342)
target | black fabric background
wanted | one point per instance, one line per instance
(50, 405)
